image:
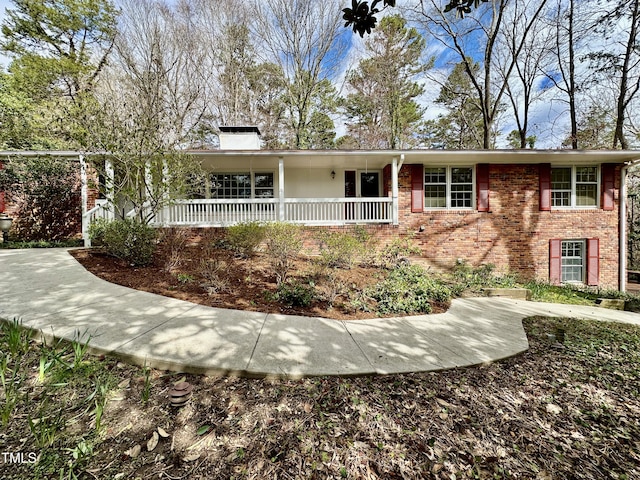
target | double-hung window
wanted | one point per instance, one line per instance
(573, 261)
(448, 187)
(574, 186)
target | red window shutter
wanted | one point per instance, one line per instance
(545, 186)
(417, 189)
(349, 183)
(482, 186)
(386, 180)
(593, 261)
(608, 173)
(555, 261)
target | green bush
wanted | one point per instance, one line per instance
(339, 250)
(408, 289)
(295, 294)
(244, 238)
(96, 231)
(130, 240)
(284, 242)
(46, 194)
(483, 276)
(391, 254)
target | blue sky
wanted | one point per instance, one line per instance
(4, 61)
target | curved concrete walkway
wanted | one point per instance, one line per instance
(50, 292)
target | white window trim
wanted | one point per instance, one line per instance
(448, 174)
(572, 196)
(583, 242)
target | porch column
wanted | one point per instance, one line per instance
(281, 206)
(394, 191)
(84, 194)
(109, 177)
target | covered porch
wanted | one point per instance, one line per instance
(329, 188)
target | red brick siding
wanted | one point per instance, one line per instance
(514, 235)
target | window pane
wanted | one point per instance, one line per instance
(586, 195)
(435, 196)
(461, 196)
(561, 199)
(264, 180)
(435, 175)
(561, 178)
(263, 185)
(586, 175)
(461, 175)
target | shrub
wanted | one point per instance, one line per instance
(284, 242)
(96, 231)
(295, 294)
(339, 250)
(46, 193)
(130, 240)
(391, 254)
(213, 273)
(408, 289)
(175, 240)
(244, 238)
(483, 276)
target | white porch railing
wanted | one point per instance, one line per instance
(307, 211)
(101, 210)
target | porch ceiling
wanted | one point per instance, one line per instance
(380, 158)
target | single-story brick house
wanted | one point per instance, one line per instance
(557, 215)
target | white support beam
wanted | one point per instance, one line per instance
(84, 193)
(281, 205)
(394, 190)
(109, 178)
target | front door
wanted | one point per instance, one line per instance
(369, 184)
(369, 188)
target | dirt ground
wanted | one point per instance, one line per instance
(245, 283)
(568, 411)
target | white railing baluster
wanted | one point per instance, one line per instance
(308, 211)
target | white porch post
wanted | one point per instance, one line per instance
(281, 205)
(394, 191)
(109, 177)
(84, 193)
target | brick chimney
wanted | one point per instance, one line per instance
(239, 138)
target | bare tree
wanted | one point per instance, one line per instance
(303, 38)
(476, 36)
(570, 29)
(523, 87)
(148, 107)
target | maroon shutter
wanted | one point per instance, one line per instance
(545, 186)
(593, 261)
(349, 183)
(417, 189)
(482, 186)
(608, 183)
(386, 180)
(555, 261)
